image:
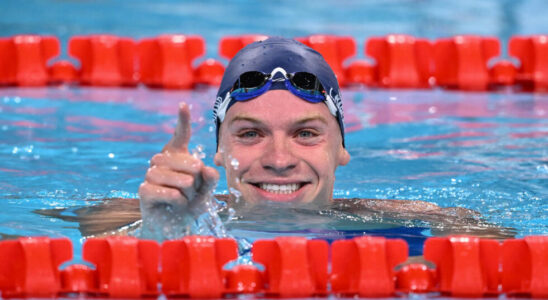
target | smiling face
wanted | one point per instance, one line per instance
(287, 149)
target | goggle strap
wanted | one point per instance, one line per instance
(331, 104)
(306, 96)
(239, 96)
(221, 111)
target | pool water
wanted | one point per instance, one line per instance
(65, 149)
(71, 147)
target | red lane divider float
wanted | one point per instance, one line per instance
(365, 266)
(63, 72)
(525, 266)
(168, 61)
(29, 266)
(532, 51)
(230, 45)
(335, 50)
(415, 278)
(193, 266)
(465, 266)
(78, 279)
(125, 267)
(23, 59)
(461, 62)
(402, 61)
(209, 72)
(104, 60)
(295, 266)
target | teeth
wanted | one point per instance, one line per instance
(280, 188)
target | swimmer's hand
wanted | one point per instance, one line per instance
(177, 183)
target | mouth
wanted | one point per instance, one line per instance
(280, 188)
(280, 192)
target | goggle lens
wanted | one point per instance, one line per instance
(306, 81)
(250, 80)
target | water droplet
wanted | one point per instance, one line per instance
(74, 149)
(198, 152)
(15, 150)
(234, 163)
(111, 155)
(392, 98)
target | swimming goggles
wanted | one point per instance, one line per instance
(252, 84)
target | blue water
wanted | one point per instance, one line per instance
(64, 147)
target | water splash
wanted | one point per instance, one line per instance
(236, 193)
(163, 223)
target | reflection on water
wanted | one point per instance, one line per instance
(61, 148)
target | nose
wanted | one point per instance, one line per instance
(278, 156)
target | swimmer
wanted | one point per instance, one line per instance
(280, 138)
(278, 115)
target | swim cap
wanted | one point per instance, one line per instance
(268, 55)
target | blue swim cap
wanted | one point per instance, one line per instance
(277, 52)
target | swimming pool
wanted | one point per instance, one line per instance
(64, 147)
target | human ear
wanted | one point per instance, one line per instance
(218, 159)
(344, 156)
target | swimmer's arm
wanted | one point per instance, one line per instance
(442, 221)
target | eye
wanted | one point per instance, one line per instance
(248, 134)
(307, 134)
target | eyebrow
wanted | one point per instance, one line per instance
(245, 118)
(311, 118)
(306, 119)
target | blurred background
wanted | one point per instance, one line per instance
(214, 19)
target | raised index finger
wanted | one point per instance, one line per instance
(181, 137)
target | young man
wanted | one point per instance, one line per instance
(280, 134)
